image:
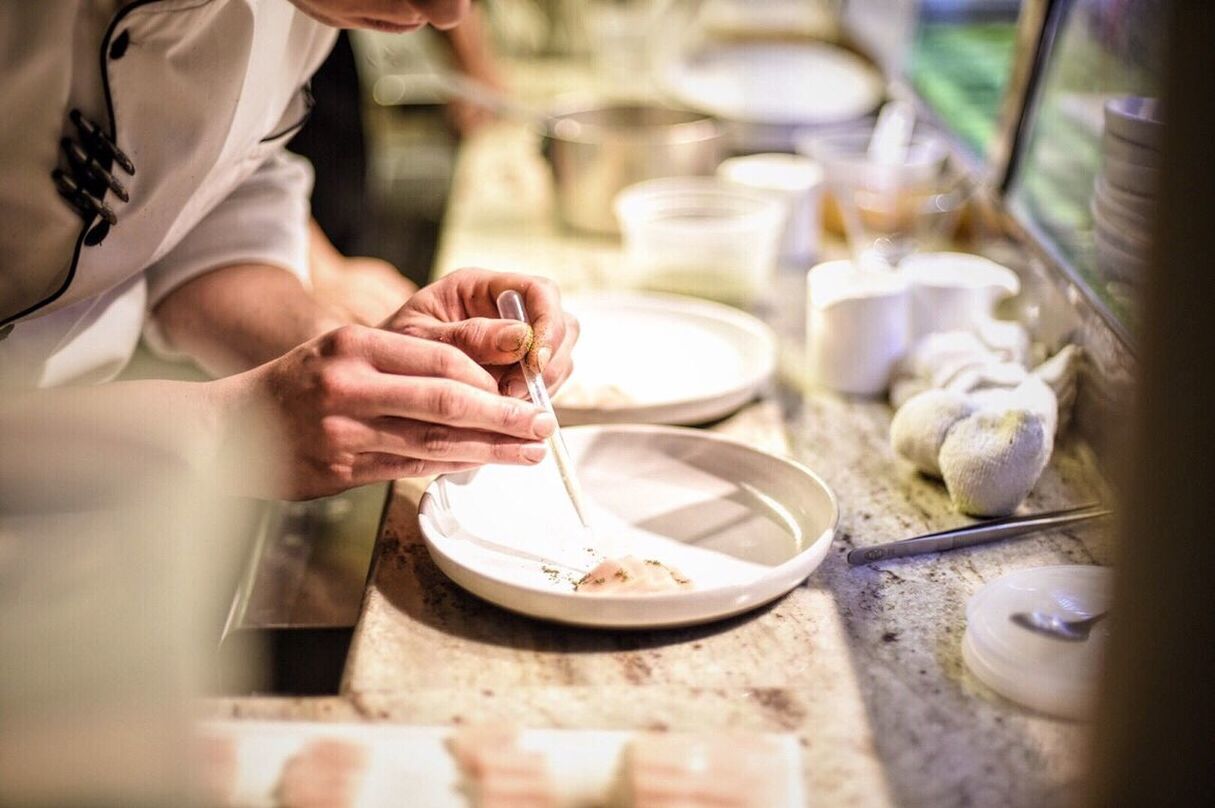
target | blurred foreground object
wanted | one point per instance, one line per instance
(1152, 738)
(112, 554)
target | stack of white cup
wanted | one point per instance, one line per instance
(858, 325)
(860, 321)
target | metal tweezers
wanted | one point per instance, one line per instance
(980, 533)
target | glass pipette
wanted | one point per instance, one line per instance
(510, 307)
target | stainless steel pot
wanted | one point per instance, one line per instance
(597, 151)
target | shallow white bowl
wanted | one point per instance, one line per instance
(746, 527)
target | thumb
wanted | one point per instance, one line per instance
(485, 340)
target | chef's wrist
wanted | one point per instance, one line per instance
(241, 433)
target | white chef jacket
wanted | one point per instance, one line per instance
(202, 96)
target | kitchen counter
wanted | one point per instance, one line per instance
(863, 664)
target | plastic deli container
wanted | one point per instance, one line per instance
(700, 236)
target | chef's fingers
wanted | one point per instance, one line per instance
(376, 467)
(428, 441)
(406, 356)
(449, 403)
(562, 363)
(511, 382)
(473, 293)
(487, 341)
(543, 302)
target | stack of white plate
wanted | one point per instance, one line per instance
(1126, 189)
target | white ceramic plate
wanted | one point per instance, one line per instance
(800, 84)
(744, 526)
(663, 359)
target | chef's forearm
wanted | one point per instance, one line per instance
(240, 316)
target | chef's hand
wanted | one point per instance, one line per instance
(461, 310)
(357, 290)
(360, 405)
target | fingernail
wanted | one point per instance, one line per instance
(533, 452)
(516, 389)
(513, 340)
(544, 424)
(542, 357)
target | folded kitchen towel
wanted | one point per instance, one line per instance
(987, 428)
(921, 425)
(991, 460)
(939, 359)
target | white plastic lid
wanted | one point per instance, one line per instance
(1052, 676)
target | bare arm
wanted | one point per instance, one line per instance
(468, 45)
(241, 316)
(352, 406)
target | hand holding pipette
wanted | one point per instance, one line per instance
(510, 306)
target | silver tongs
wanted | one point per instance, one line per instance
(980, 533)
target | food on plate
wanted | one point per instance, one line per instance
(325, 773)
(498, 773)
(719, 770)
(215, 759)
(633, 575)
(585, 395)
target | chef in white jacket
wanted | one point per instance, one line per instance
(145, 190)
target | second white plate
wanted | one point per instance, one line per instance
(663, 359)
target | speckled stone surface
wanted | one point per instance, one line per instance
(862, 663)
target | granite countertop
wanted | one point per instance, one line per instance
(863, 664)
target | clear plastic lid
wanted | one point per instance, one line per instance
(1050, 675)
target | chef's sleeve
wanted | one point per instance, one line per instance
(264, 220)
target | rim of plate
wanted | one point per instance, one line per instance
(708, 310)
(429, 501)
(674, 85)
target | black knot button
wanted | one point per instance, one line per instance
(119, 46)
(97, 234)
